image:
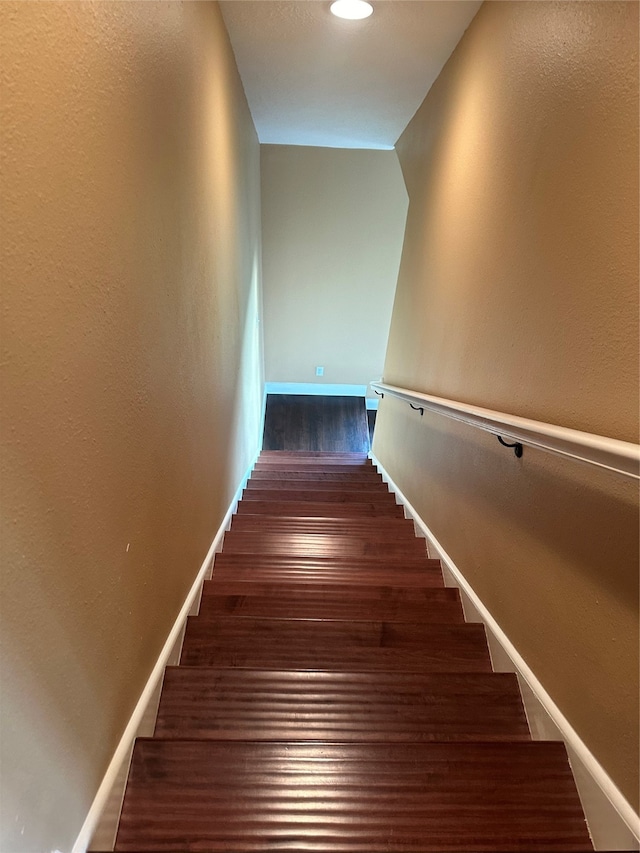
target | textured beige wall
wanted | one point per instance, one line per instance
(518, 292)
(131, 385)
(333, 224)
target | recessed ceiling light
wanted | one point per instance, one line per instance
(353, 10)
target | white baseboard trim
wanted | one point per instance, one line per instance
(316, 389)
(263, 413)
(612, 821)
(101, 824)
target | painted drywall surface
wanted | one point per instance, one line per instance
(333, 224)
(131, 364)
(518, 292)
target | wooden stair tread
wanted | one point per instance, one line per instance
(248, 796)
(243, 704)
(440, 605)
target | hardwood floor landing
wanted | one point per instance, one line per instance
(315, 423)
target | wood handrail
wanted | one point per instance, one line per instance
(622, 457)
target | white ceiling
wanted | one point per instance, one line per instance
(313, 79)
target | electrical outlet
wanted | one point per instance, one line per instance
(319, 371)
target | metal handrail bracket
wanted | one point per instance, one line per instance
(621, 457)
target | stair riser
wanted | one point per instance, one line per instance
(201, 652)
(322, 546)
(333, 633)
(320, 496)
(312, 487)
(372, 529)
(321, 509)
(290, 644)
(263, 705)
(306, 606)
(378, 595)
(321, 455)
(313, 462)
(311, 471)
(355, 476)
(282, 561)
(419, 578)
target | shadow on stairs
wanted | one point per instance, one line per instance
(330, 696)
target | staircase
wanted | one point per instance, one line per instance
(330, 696)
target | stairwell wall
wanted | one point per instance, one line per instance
(333, 222)
(518, 292)
(131, 368)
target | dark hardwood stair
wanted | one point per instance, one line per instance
(318, 509)
(299, 544)
(309, 476)
(253, 796)
(346, 486)
(331, 601)
(401, 571)
(362, 468)
(271, 705)
(321, 458)
(371, 527)
(330, 696)
(337, 645)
